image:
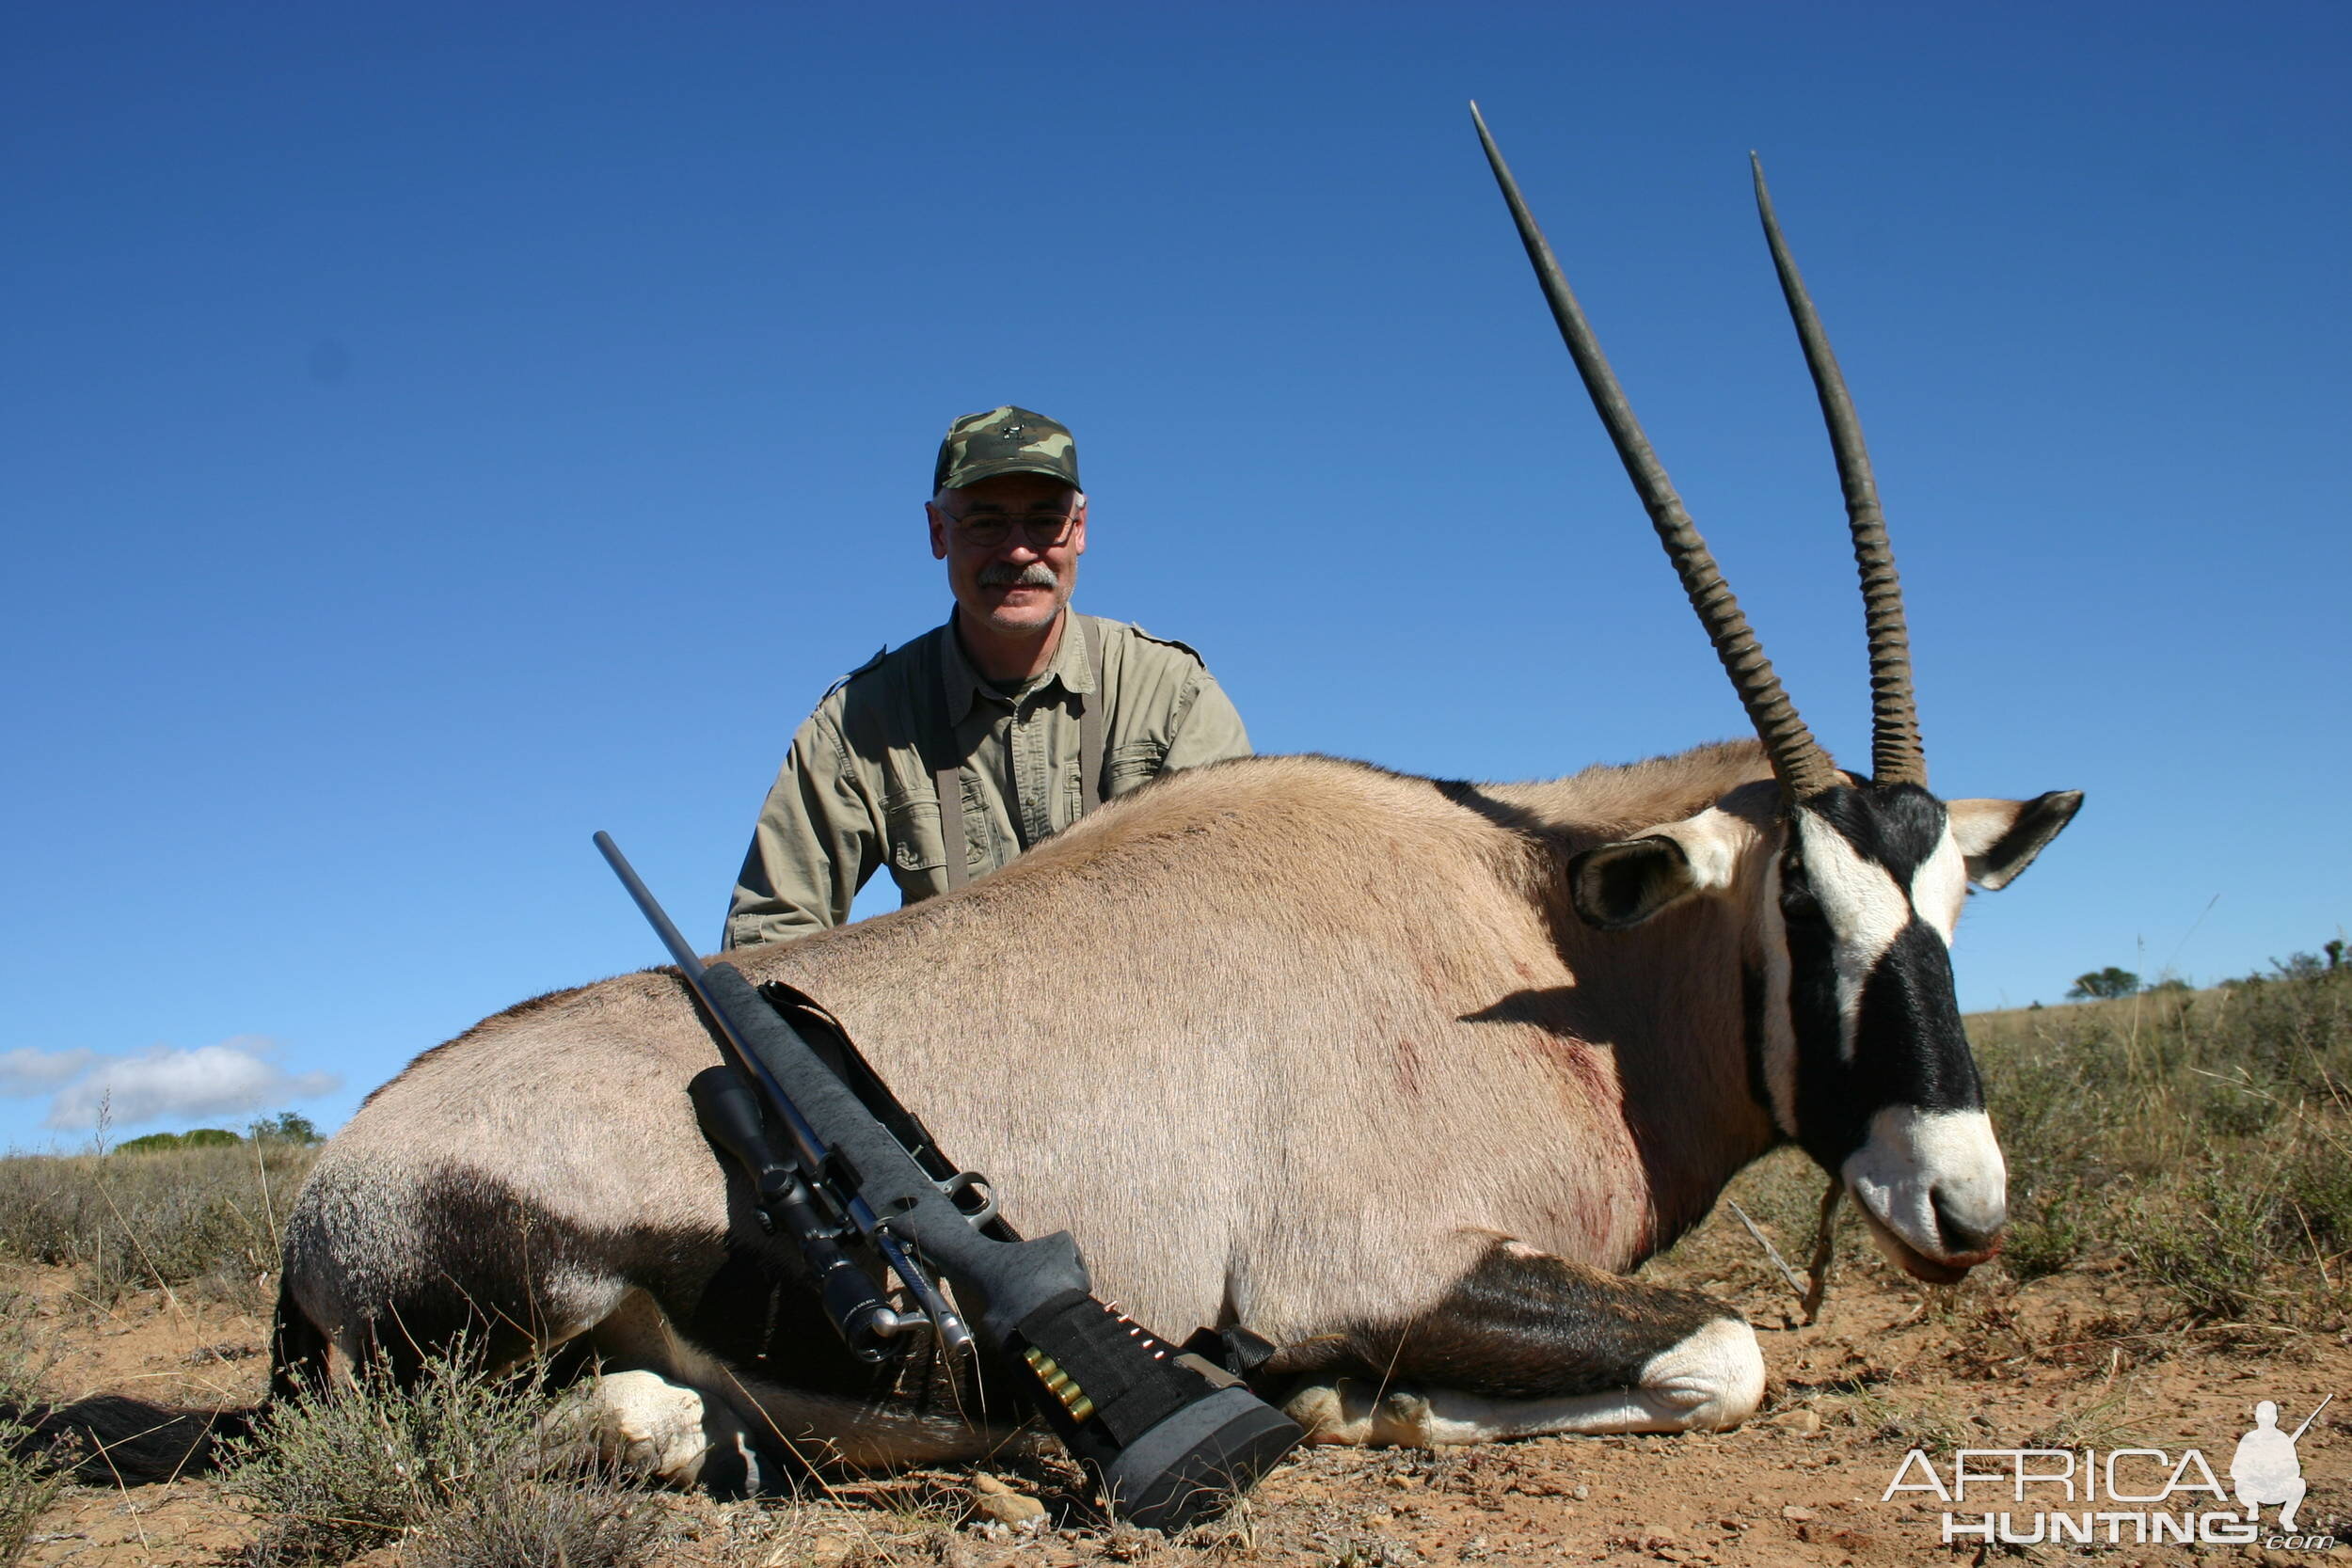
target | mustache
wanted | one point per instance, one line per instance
(1006, 575)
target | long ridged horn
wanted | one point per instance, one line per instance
(1798, 761)
(1896, 754)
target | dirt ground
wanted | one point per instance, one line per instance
(2084, 1359)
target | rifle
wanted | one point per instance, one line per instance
(1167, 1435)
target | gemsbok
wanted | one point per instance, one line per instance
(1401, 1074)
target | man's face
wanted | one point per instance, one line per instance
(1011, 545)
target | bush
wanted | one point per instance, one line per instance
(456, 1463)
(532, 1521)
(2210, 1244)
(2048, 1234)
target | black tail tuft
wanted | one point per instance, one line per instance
(113, 1439)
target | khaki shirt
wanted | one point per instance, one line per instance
(856, 791)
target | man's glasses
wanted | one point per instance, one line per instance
(986, 530)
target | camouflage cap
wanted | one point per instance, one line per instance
(1005, 440)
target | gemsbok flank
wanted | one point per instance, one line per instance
(1398, 1073)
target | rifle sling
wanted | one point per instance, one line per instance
(823, 1035)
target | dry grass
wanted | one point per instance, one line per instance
(2200, 1139)
(29, 1482)
(205, 1218)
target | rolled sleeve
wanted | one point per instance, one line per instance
(1208, 729)
(817, 842)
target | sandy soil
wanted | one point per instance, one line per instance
(2078, 1361)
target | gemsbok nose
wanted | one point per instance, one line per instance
(1966, 1223)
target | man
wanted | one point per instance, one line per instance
(945, 758)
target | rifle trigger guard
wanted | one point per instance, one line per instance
(972, 1181)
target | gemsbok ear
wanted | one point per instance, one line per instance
(1614, 886)
(2000, 838)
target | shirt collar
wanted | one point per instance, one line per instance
(965, 684)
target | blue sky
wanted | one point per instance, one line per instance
(430, 434)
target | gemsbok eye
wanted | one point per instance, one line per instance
(1796, 889)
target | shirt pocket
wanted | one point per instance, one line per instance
(916, 839)
(1131, 764)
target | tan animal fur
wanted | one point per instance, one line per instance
(1286, 1041)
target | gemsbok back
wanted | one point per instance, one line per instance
(1399, 1073)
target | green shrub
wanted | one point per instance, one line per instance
(151, 1143)
(2209, 1245)
(2319, 1193)
(2048, 1233)
(196, 1138)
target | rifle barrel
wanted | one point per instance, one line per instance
(655, 916)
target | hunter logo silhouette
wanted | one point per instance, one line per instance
(2266, 1469)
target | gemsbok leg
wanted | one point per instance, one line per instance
(1527, 1343)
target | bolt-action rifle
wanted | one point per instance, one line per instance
(839, 1166)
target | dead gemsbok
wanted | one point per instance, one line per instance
(1398, 1073)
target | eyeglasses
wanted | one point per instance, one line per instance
(986, 530)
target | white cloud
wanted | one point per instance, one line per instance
(168, 1082)
(25, 1070)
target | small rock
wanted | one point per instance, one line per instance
(1799, 1419)
(1000, 1503)
(1798, 1515)
(826, 1551)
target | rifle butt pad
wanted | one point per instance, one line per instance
(1198, 1460)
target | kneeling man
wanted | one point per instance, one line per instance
(948, 756)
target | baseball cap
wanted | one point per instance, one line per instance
(1005, 440)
